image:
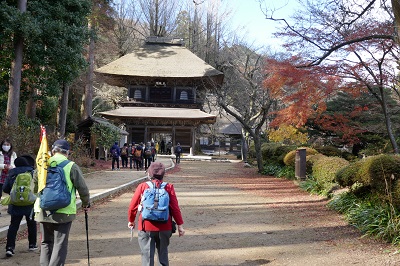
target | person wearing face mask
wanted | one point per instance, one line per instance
(7, 158)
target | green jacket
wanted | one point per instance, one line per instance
(75, 182)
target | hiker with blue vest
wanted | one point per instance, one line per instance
(56, 225)
(24, 165)
(155, 228)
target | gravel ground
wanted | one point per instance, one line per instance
(233, 216)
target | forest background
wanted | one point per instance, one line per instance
(335, 84)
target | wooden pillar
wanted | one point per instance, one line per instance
(145, 135)
(173, 136)
(193, 139)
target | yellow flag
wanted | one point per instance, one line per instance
(41, 159)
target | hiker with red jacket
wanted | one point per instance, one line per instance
(154, 235)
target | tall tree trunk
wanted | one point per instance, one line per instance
(62, 118)
(396, 12)
(388, 122)
(87, 97)
(30, 109)
(15, 79)
(244, 145)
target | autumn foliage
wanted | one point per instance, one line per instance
(302, 92)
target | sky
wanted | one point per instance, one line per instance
(248, 13)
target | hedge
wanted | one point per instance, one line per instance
(324, 170)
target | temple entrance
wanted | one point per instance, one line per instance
(162, 139)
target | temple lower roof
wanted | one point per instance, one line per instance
(159, 113)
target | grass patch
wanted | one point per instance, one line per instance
(370, 215)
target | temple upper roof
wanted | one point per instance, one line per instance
(158, 61)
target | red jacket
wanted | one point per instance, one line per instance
(145, 225)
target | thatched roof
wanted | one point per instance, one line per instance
(158, 61)
(160, 113)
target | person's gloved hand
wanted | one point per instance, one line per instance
(86, 208)
(181, 230)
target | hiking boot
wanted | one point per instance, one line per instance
(10, 252)
(33, 247)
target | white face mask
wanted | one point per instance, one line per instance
(6, 148)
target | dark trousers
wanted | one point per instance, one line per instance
(14, 226)
(138, 164)
(130, 161)
(54, 247)
(124, 160)
(149, 242)
(113, 162)
(147, 162)
(178, 158)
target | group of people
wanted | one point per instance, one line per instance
(165, 148)
(55, 227)
(139, 156)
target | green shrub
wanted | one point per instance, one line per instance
(286, 172)
(343, 202)
(274, 152)
(370, 215)
(271, 169)
(290, 157)
(345, 177)
(281, 152)
(380, 172)
(268, 150)
(329, 151)
(349, 156)
(311, 185)
(324, 170)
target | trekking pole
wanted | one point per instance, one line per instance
(87, 236)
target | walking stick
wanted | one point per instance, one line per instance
(87, 236)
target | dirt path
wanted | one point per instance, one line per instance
(232, 217)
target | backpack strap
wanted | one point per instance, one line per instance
(150, 184)
(63, 163)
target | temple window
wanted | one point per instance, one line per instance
(137, 94)
(184, 96)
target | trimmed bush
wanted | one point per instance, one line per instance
(345, 177)
(268, 150)
(290, 157)
(325, 168)
(380, 172)
(281, 152)
(274, 152)
(329, 151)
